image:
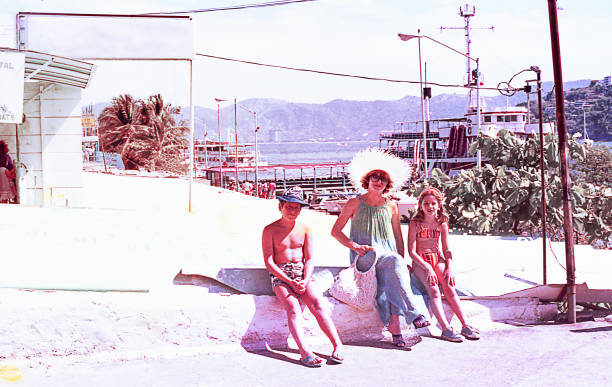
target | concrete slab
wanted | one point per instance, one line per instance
(41, 325)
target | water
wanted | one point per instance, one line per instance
(309, 152)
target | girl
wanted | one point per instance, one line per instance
(432, 266)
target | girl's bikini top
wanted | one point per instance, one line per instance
(427, 239)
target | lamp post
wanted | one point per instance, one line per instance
(219, 100)
(406, 37)
(256, 152)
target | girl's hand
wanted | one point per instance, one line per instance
(362, 249)
(431, 276)
(448, 276)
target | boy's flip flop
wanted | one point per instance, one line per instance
(312, 361)
(336, 358)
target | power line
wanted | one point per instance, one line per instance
(235, 7)
(338, 74)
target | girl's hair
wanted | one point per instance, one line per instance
(442, 216)
(3, 147)
(365, 180)
(3, 160)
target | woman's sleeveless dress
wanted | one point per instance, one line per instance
(371, 225)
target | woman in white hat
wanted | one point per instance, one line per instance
(375, 225)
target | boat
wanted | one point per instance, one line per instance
(444, 143)
(211, 154)
(448, 140)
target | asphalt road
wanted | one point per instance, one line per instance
(543, 355)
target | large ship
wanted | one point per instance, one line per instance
(444, 143)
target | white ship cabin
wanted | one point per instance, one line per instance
(514, 120)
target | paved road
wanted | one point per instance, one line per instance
(545, 355)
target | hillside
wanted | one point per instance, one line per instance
(335, 120)
(587, 107)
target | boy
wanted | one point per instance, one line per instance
(287, 251)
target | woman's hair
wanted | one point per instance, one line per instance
(442, 216)
(3, 147)
(3, 160)
(365, 180)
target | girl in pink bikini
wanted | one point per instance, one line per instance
(431, 265)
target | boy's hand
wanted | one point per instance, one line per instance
(299, 286)
(448, 275)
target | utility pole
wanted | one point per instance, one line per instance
(564, 163)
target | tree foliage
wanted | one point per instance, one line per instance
(505, 194)
(144, 133)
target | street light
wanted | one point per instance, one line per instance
(406, 37)
(256, 152)
(218, 101)
(235, 132)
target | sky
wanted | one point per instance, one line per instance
(344, 36)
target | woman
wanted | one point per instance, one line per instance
(375, 225)
(7, 187)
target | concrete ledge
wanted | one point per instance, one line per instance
(187, 320)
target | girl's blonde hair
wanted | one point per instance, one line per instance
(442, 216)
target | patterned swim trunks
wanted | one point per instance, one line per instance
(293, 270)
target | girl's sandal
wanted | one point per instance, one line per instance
(336, 358)
(398, 341)
(420, 322)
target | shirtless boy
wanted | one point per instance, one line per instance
(287, 251)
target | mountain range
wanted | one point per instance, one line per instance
(337, 120)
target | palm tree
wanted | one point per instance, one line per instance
(143, 132)
(119, 123)
(164, 140)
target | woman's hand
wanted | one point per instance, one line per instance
(448, 275)
(362, 249)
(432, 279)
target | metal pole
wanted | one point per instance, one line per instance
(478, 154)
(563, 153)
(17, 169)
(542, 177)
(236, 136)
(205, 147)
(256, 156)
(220, 163)
(423, 112)
(191, 117)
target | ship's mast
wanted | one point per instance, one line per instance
(466, 12)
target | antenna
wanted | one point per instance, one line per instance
(466, 12)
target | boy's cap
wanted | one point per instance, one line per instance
(293, 195)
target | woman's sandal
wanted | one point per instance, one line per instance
(398, 341)
(312, 361)
(420, 322)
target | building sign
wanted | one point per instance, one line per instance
(12, 66)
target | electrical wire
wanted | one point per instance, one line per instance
(555, 255)
(340, 74)
(236, 7)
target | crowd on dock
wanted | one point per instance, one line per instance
(264, 190)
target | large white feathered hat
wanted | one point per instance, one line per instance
(370, 159)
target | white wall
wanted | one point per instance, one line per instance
(50, 146)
